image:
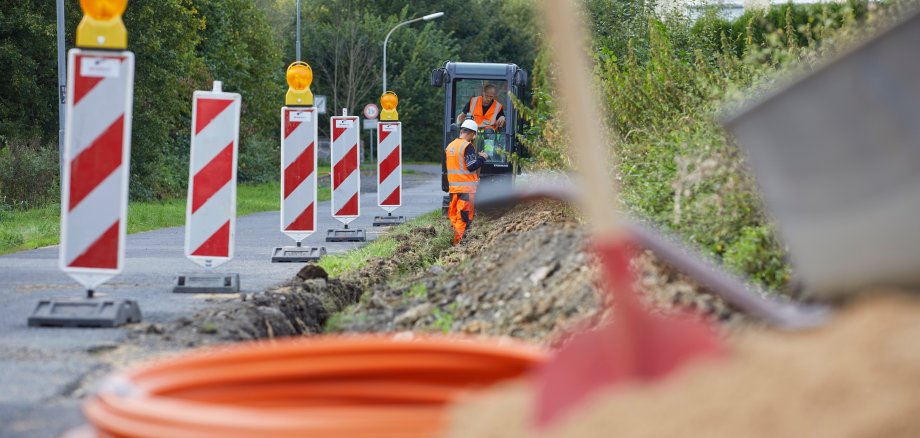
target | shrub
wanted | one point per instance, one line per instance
(258, 160)
(758, 254)
(666, 81)
(28, 175)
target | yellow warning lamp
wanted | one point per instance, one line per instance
(299, 78)
(101, 26)
(388, 102)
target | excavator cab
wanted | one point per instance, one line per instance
(463, 81)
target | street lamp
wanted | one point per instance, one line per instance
(62, 87)
(387, 39)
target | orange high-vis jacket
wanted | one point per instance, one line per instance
(491, 114)
(459, 178)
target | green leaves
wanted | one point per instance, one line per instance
(180, 46)
(666, 79)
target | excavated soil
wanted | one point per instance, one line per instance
(526, 274)
(856, 377)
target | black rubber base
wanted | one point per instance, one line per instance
(297, 254)
(388, 221)
(346, 235)
(207, 283)
(94, 313)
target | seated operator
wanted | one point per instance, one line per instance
(485, 109)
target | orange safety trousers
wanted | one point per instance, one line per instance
(460, 213)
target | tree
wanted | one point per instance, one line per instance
(182, 45)
(238, 48)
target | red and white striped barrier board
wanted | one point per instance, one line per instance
(346, 176)
(97, 154)
(210, 215)
(298, 172)
(389, 165)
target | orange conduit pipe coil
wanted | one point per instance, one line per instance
(365, 386)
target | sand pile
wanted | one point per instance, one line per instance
(857, 377)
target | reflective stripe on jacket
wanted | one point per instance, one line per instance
(491, 114)
(459, 178)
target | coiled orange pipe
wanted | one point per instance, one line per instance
(368, 386)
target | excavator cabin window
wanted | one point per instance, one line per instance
(491, 141)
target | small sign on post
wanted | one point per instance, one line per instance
(319, 102)
(369, 124)
(371, 111)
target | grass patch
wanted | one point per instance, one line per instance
(418, 291)
(29, 228)
(444, 321)
(385, 246)
(419, 247)
(338, 321)
(338, 264)
(38, 227)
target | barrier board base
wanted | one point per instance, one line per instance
(94, 313)
(207, 283)
(388, 220)
(346, 235)
(297, 254)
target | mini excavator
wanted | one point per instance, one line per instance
(463, 81)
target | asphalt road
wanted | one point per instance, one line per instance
(40, 368)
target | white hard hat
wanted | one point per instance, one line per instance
(470, 124)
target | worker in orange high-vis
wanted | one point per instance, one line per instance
(463, 178)
(487, 112)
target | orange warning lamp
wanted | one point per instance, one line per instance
(388, 102)
(299, 78)
(101, 26)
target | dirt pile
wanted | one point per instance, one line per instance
(523, 274)
(667, 290)
(527, 274)
(857, 377)
(301, 306)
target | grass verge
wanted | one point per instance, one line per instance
(385, 246)
(35, 228)
(408, 249)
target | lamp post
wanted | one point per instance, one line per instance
(298, 31)
(387, 39)
(62, 86)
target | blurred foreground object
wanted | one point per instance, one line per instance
(361, 386)
(775, 384)
(637, 345)
(837, 154)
